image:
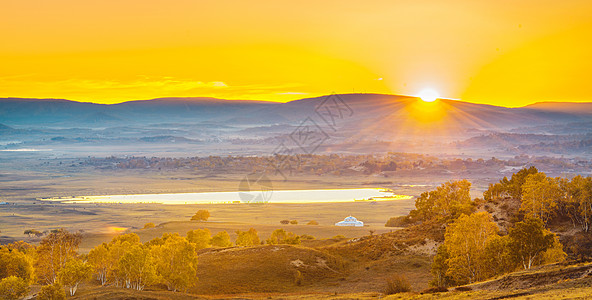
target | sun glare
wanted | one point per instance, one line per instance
(428, 95)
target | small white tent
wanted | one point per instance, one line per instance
(350, 221)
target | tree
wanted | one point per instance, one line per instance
(509, 188)
(15, 263)
(118, 247)
(73, 273)
(448, 201)
(280, 236)
(221, 239)
(247, 238)
(540, 195)
(200, 237)
(465, 241)
(201, 215)
(577, 200)
(53, 253)
(136, 267)
(52, 292)
(32, 232)
(176, 263)
(498, 256)
(528, 240)
(149, 225)
(13, 287)
(440, 268)
(101, 262)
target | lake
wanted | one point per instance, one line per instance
(259, 196)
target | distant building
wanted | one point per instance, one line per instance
(350, 221)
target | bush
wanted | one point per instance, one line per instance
(149, 225)
(201, 215)
(401, 221)
(52, 292)
(293, 222)
(397, 284)
(307, 237)
(312, 222)
(13, 287)
(280, 236)
(285, 222)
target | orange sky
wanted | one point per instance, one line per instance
(499, 52)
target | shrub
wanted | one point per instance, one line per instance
(397, 284)
(401, 221)
(13, 287)
(339, 237)
(285, 222)
(149, 225)
(52, 292)
(307, 237)
(294, 222)
(280, 236)
(312, 222)
(201, 215)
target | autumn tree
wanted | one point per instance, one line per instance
(52, 292)
(13, 287)
(280, 236)
(101, 262)
(465, 241)
(440, 268)
(528, 240)
(200, 237)
(247, 238)
(53, 253)
(221, 239)
(448, 200)
(15, 263)
(577, 200)
(511, 188)
(176, 263)
(201, 215)
(136, 267)
(73, 273)
(540, 195)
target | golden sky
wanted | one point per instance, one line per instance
(507, 53)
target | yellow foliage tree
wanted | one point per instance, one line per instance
(201, 215)
(15, 263)
(465, 241)
(247, 238)
(200, 237)
(221, 239)
(53, 253)
(101, 262)
(176, 263)
(73, 273)
(136, 267)
(13, 287)
(540, 195)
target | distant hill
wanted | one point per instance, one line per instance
(580, 108)
(378, 114)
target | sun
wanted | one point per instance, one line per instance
(428, 95)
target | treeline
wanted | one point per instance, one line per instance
(476, 248)
(124, 262)
(321, 164)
